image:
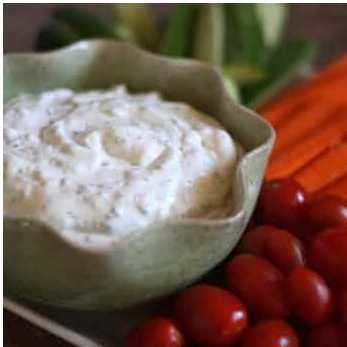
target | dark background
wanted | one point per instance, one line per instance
(325, 23)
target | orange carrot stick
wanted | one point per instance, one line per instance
(332, 73)
(331, 92)
(324, 169)
(291, 159)
(338, 187)
(303, 123)
(276, 114)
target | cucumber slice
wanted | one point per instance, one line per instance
(210, 34)
(55, 35)
(177, 39)
(272, 17)
(84, 23)
(285, 65)
(137, 17)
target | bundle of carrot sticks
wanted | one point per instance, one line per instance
(310, 121)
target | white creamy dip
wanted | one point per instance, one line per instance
(113, 162)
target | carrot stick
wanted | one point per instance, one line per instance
(338, 187)
(324, 169)
(330, 74)
(276, 114)
(291, 159)
(333, 92)
(302, 123)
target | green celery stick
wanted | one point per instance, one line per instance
(254, 50)
(233, 42)
(272, 17)
(210, 34)
(177, 39)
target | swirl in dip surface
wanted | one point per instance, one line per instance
(113, 162)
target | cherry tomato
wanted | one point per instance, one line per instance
(211, 316)
(328, 255)
(328, 335)
(254, 241)
(283, 203)
(343, 306)
(327, 211)
(271, 333)
(285, 251)
(280, 247)
(156, 332)
(259, 285)
(309, 296)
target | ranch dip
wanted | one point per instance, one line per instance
(113, 162)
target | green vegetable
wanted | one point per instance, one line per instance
(177, 39)
(233, 42)
(232, 88)
(124, 33)
(55, 35)
(272, 17)
(285, 64)
(138, 19)
(84, 23)
(254, 50)
(210, 34)
(244, 74)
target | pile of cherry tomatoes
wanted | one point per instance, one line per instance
(286, 286)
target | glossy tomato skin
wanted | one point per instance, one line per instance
(328, 335)
(327, 211)
(259, 285)
(343, 305)
(270, 333)
(280, 247)
(309, 296)
(156, 332)
(255, 240)
(284, 204)
(211, 316)
(328, 255)
(285, 251)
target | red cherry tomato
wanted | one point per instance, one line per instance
(259, 285)
(309, 296)
(343, 306)
(254, 241)
(156, 332)
(271, 333)
(211, 316)
(328, 255)
(329, 335)
(327, 211)
(280, 247)
(285, 251)
(283, 203)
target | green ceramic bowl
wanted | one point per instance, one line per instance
(43, 265)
